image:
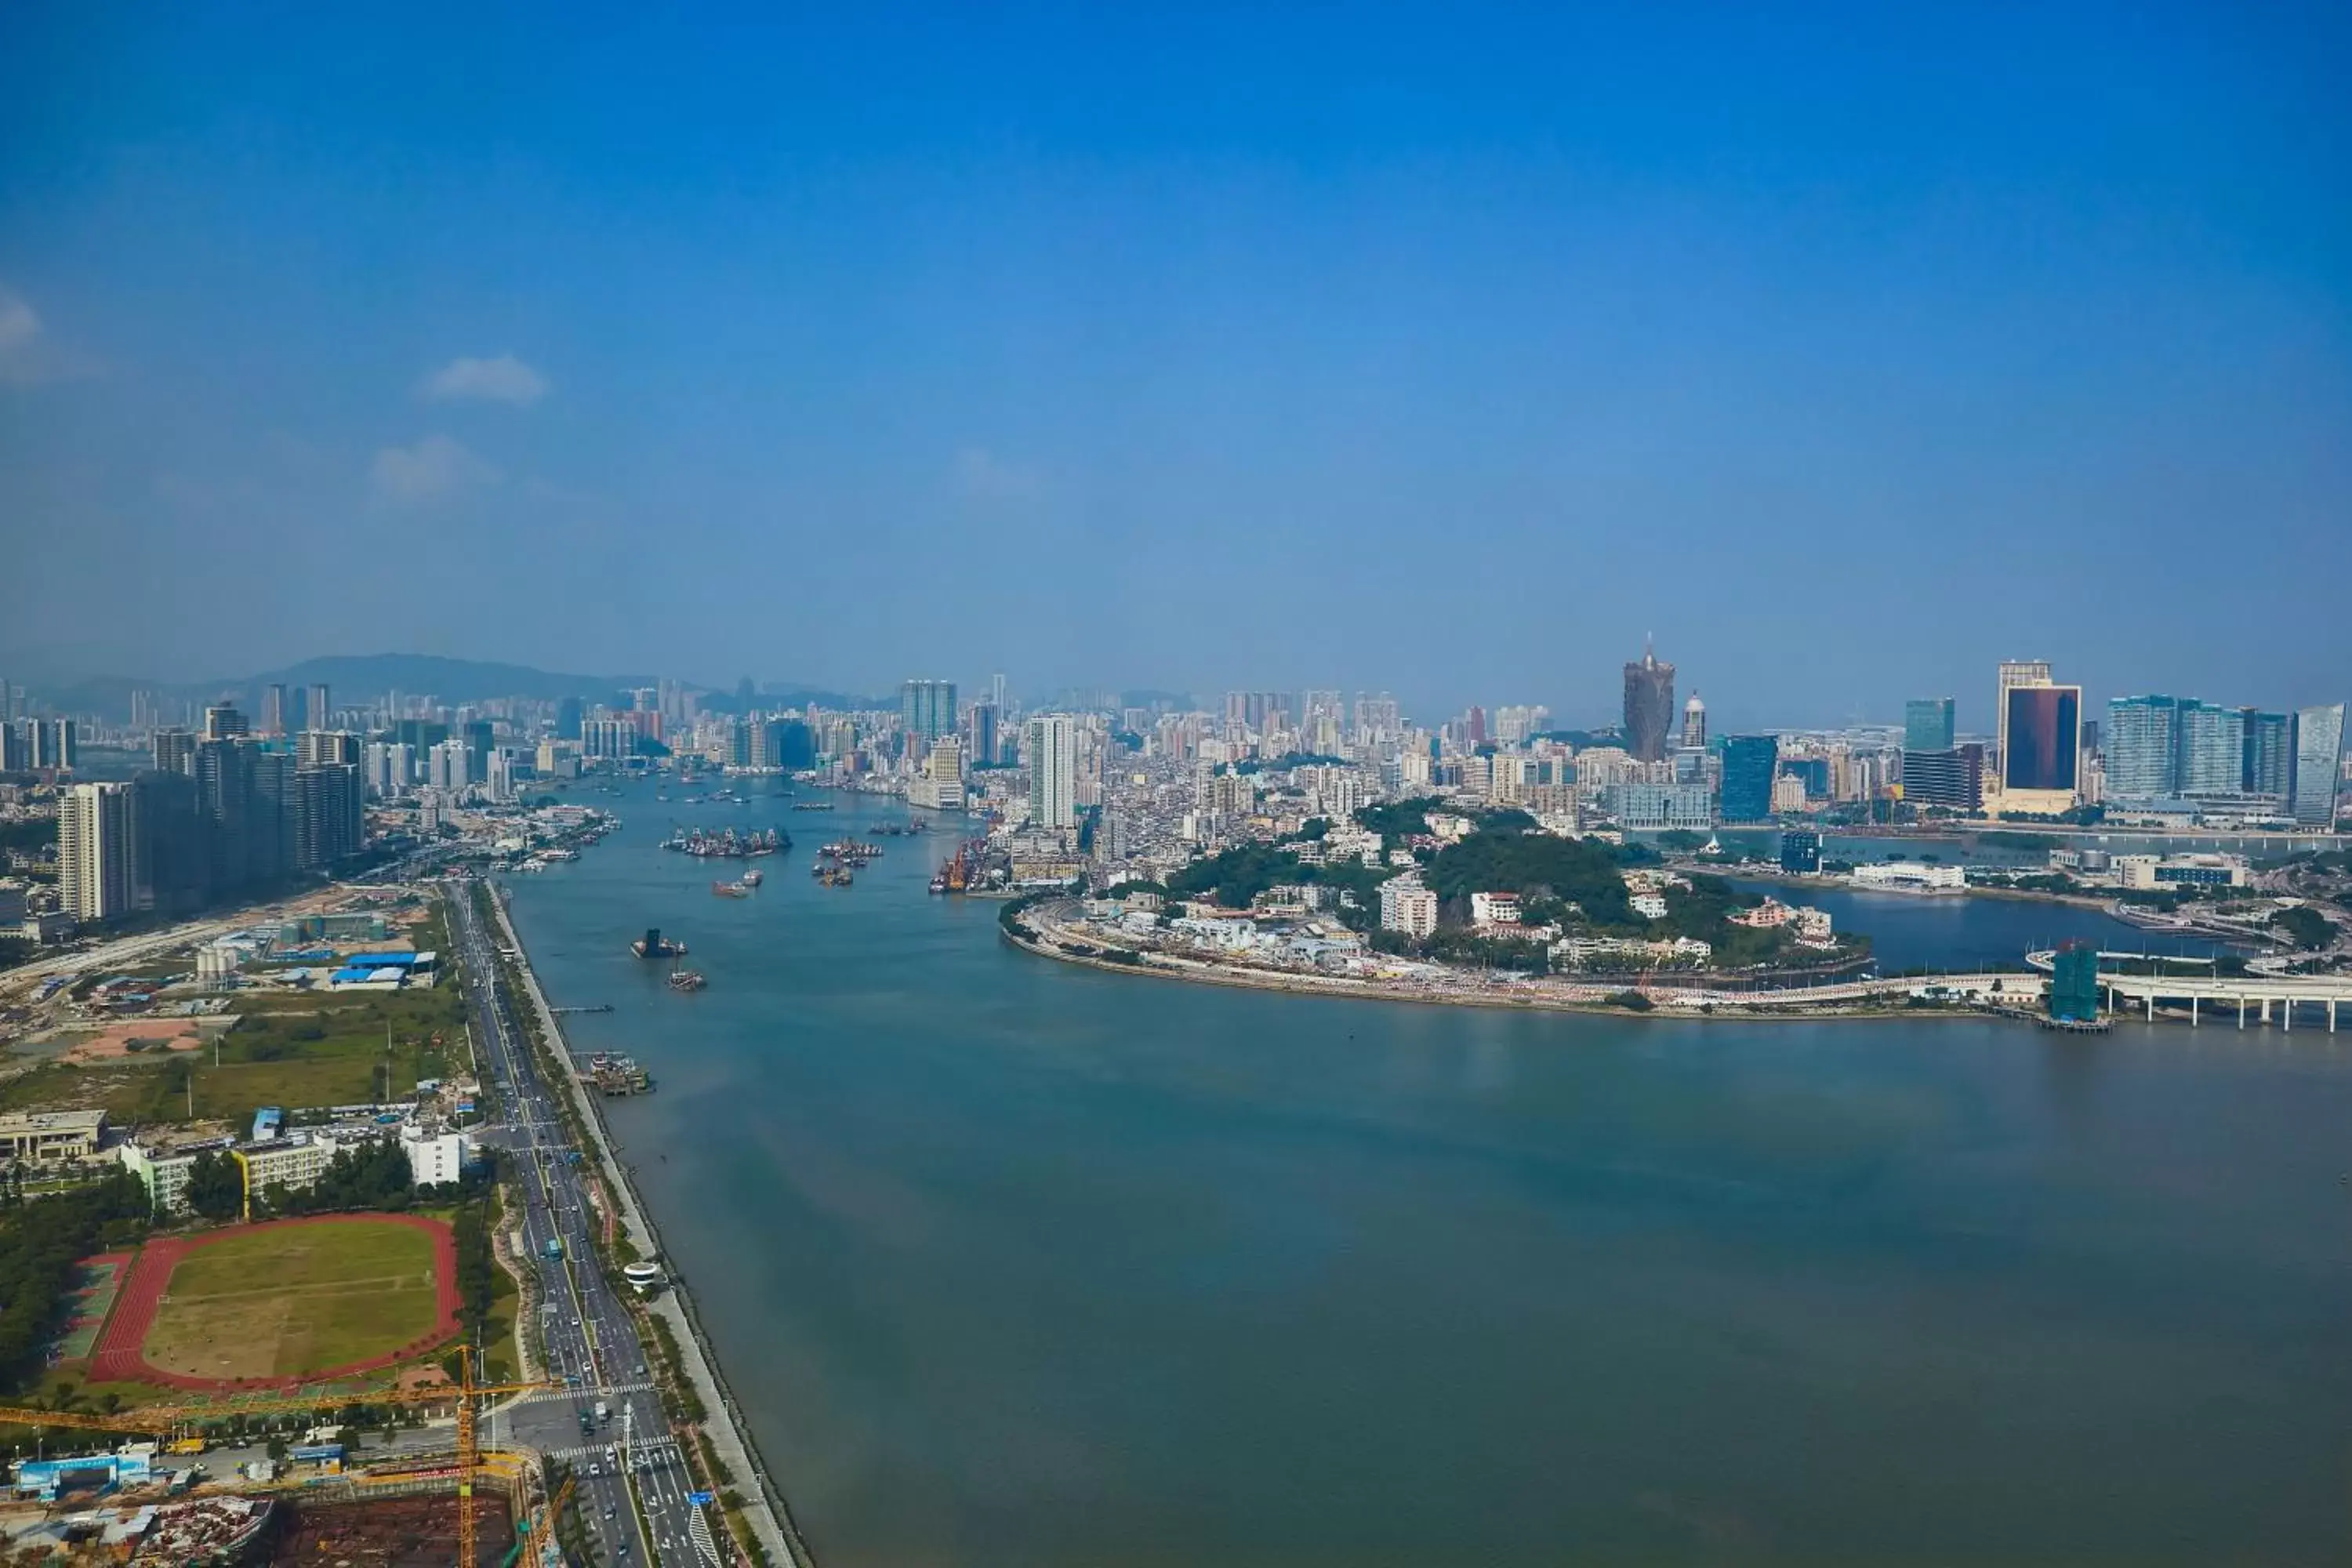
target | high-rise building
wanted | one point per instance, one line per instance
(50, 744)
(273, 708)
(1649, 707)
(98, 876)
(1750, 763)
(174, 751)
(1694, 725)
(927, 709)
(2013, 672)
(313, 748)
(568, 715)
(223, 722)
(985, 716)
(15, 752)
(2140, 746)
(1928, 724)
(2318, 763)
(2042, 737)
(317, 711)
(2267, 764)
(2074, 984)
(174, 851)
(1953, 778)
(329, 815)
(1053, 759)
(2212, 751)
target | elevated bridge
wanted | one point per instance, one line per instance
(2272, 998)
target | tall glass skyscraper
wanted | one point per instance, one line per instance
(1928, 724)
(2141, 741)
(1750, 763)
(2213, 755)
(926, 709)
(2318, 759)
(2267, 766)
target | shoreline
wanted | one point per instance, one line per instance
(1370, 991)
(724, 1425)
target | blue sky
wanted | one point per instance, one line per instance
(1848, 349)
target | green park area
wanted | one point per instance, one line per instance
(297, 1051)
(289, 1301)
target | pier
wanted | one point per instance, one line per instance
(599, 1007)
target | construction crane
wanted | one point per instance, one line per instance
(163, 1420)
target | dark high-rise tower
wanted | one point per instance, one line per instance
(1649, 707)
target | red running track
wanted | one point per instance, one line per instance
(117, 1359)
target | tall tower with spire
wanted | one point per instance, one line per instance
(1649, 705)
(1694, 725)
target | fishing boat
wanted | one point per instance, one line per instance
(752, 877)
(730, 890)
(686, 980)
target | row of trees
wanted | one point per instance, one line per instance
(41, 1242)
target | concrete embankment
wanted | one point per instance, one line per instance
(763, 1506)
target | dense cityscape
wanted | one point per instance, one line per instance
(883, 786)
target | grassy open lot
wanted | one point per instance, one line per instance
(283, 1302)
(297, 1052)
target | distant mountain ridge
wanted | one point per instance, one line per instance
(359, 678)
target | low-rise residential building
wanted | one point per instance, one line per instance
(1649, 905)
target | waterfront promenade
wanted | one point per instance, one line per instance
(723, 1424)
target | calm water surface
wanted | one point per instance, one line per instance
(1014, 1262)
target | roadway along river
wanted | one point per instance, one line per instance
(1012, 1261)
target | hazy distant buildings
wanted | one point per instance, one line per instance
(1649, 707)
(174, 751)
(317, 712)
(1053, 759)
(1750, 763)
(273, 708)
(1928, 724)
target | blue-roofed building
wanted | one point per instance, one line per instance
(269, 1122)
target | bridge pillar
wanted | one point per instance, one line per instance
(2151, 1004)
(2192, 1009)
(2286, 1011)
(2242, 1012)
(2266, 1008)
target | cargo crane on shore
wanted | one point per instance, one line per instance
(168, 1420)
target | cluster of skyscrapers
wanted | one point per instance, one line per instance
(220, 814)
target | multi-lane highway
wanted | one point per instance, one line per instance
(633, 1489)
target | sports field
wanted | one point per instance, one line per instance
(293, 1299)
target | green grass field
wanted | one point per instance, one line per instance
(289, 1301)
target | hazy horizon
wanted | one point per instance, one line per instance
(1448, 354)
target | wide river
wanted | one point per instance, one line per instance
(1016, 1262)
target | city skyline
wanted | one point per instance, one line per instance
(1859, 374)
